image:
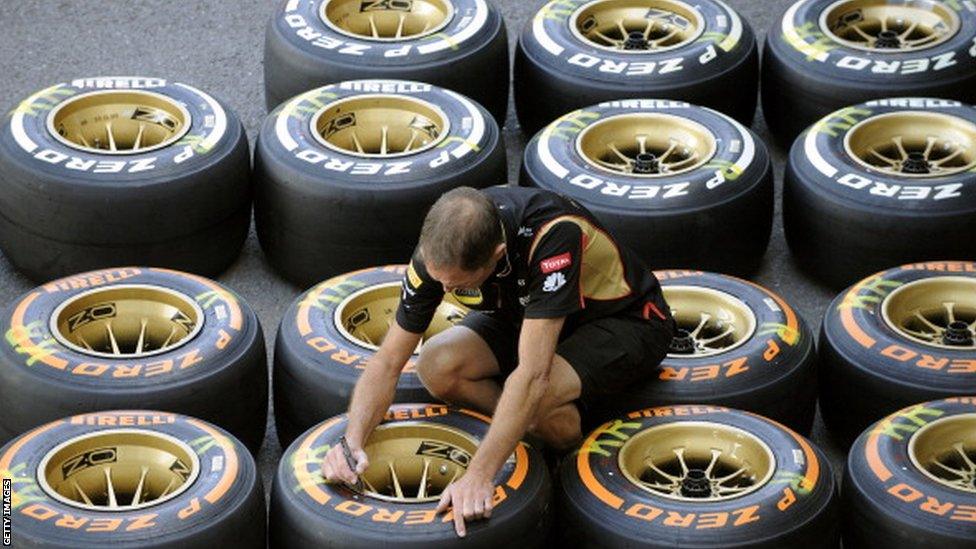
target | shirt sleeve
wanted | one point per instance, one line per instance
(555, 268)
(419, 299)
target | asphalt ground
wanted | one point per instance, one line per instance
(217, 47)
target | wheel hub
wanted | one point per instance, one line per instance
(636, 26)
(945, 451)
(365, 316)
(389, 20)
(118, 470)
(889, 26)
(131, 321)
(709, 321)
(697, 460)
(380, 126)
(646, 144)
(913, 144)
(118, 122)
(938, 311)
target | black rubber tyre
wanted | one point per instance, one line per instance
(791, 502)
(217, 371)
(769, 354)
(808, 73)
(469, 54)
(181, 202)
(318, 358)
(713, 213)
(845, 220)
(894, 493)
(305, 512)
(219, 504)
(322, 211)
(868, 369)
(557, 70)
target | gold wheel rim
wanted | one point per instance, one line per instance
(414, 462)
(387, 20)
(709, 321)
(945, 451)
(913, 144)
(938, 312)
(697, 461)
(637, 26)
(884, 26)
(118, 470)
(380, 126)
(119, 122)
(364, 317)
(126, 321)
(646, 145)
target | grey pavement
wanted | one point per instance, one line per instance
(217, 46)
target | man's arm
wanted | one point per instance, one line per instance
(371, 398)
(472, 494)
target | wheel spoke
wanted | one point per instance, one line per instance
(422, 491)
(884, 158)
(356, 143)
(715, 455)
(109, 488)
(384, 134)
(399, 30)
(950, 314)
(642, 143)
(908, 31)
(929, 144)
(705, 317)
(81, 493)
(927, 322)
(138, 491)
(616, 151)
(962, 453)
(652, 466)
(396, 481)
(680, 452)
(713, 339)
(138, 143)
(111, 339)
(897, 140)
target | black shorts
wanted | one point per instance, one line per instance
(610, 355)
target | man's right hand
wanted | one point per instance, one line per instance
(335, 468)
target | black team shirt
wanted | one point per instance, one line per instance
(559, 262)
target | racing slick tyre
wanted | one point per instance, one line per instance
(909, 480)
(823, 55)
(696, 180)
(129, 337)
(880, 184)
(899, 337)
(327, 336)
(132, 478)
(100, 172)
(456, 44)
(737, 345)
(697, 476)
(346, 173)
(414, 454)
(575, 53)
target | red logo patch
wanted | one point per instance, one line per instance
(556, 263)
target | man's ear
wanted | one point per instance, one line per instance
(500, 251)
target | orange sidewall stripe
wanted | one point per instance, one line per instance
(299, 469)
(586, 473)
(230, 466)
(791, 320)
(8, 457)
(17, 324)
(847, 319)
(521, 467)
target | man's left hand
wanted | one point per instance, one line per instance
(471, 496)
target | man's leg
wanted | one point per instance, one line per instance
(458, 366)
(558, 419)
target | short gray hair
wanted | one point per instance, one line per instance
(462, 229)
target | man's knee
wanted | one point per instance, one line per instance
(439, 369)
(559, 428)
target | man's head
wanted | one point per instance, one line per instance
(462, 239)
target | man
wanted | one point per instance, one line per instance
(566, 316)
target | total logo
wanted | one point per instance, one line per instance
(553, 282)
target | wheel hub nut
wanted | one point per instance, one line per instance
(635, 41)
(915, 163)
(696, 484)
(646, 163)
(957, 334)
(682, 343)
(887, 39)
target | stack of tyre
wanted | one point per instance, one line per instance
(131, 393)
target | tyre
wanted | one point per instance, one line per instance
(697, 180)
(896, 338)
(456, 44)
(909, 479)
(100, 172)
(132, 478)
(697, 476)
(823, 55)
(574, 53)
(737, 345)
(128, 337)
(881, 184)
(346, 173)
(417, 451)
(327, 336)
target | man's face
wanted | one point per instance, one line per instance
(453, 278)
